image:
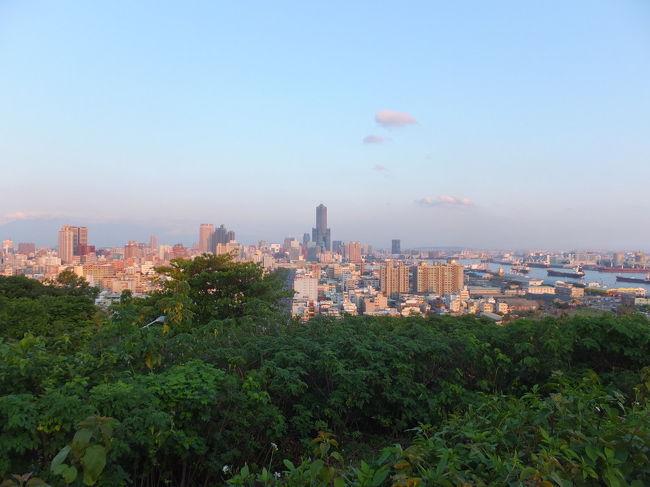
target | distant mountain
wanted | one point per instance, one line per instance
(44, 232)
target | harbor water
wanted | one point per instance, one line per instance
(606, 280)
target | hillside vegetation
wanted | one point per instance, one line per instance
(229, 390)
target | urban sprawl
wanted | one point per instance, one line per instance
(333, 278)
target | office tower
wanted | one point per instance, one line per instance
(439, 278)
(153, 242)
(305, 238)
(219, 236)
(393, 278)
(338, 247)
(205, 234)
(230, 236)
(354, 252)
(79, 238)
(66, 244)
(396, 246)
(321, 234)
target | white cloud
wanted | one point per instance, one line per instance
(375, 139)
(390, 119)
(444, 201)
(22, 215)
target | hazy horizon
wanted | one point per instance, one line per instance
(500, 125)
(104, 234)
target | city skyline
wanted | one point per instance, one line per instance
(484, 126)
(195, 242)
(45, 234)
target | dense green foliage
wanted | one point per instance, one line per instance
(63, 308)
(228, 390)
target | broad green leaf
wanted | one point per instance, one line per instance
(337, 456)
(379, 477)
(59, 458)
(36, 482)
(592, 452)
(69, 474)
(81, 439)
(94, 461)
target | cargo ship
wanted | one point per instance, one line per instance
(626, 270)
(642, 280)
(576, 273)
(520, 269)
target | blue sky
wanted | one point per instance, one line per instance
(533, 120)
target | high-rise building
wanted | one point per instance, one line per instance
(132, 250)
(221, 235)
(66, 244)
(393, 278)
(305, 238)
(439, 278)
(306, 287)
(153, 242)
(396, 246)
(321, 235)
(205, 234)
(354, 252)
(79, 237)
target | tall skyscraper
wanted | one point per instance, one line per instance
(439, 278)
(153, 242)
(72, 241)
(79, 238)
(66, 244)
(220, 234)
(393, 278)
(205, 234)
(396, 246)
(321, 234)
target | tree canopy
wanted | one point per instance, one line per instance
(219, 288)
(221, 397)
